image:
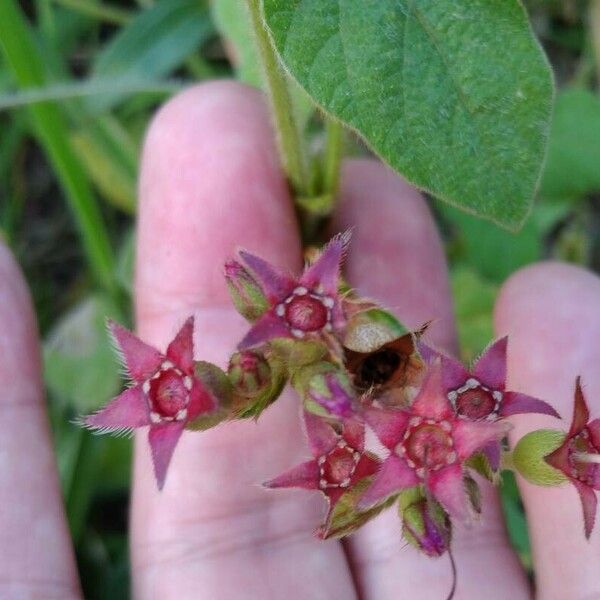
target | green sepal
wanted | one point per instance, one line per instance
(246, 294)
(480, 464)
(368, 330)
(312, 378)
(345, 518)
(297, 353)
(252, 408)
(528, 457)
(411, 504)
(217, 383)
(473, 493)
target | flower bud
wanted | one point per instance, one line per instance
(426, 526)
(250, 373)
(246, 293)
(332, 392)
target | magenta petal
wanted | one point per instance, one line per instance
(389, 425)
(305, 475)
(454, 374)
(431, 401)
(559, 459)
(493, 453)
(163, 439)
(276, 283)
(127, 411)
(141, 360)
(365, 467)
(354, 434)
(201, 400)
(447, 487)
(594, 429)
(268, 327)
(515, 403)
(589, 504)
(393, 476)
(581, 413)
(490, 368)
(471, 436)
(181, 350)
(321, 436)
(326, 269)
(428, 354)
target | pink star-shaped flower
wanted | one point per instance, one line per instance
(480, 394)
(428, 445)
(579, 457)
(299, 307)
(339, 460)
(166, 394)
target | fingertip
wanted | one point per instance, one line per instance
(551, 313)
(210, 182)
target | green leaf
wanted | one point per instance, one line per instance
(574, 150)
(79, 364)
(453, 94)
(80, 89)
(528, 457)
(152, 44)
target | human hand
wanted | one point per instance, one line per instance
(210, 182)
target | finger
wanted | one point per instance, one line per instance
(551, 313)
(398, 259)
(37, 558)
(211, 182)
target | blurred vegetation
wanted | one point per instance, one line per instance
(79, 81)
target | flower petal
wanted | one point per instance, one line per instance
(393, 476)
(589, 504)
(276, 283)
(181, 350)
(127, 411)
(454, 374)
(515, 403)
(322, 437)
(448, 488)
(163, 439)
(201, 400)
(594, 429)
(326, 269)
(268, 327)
(304, 475)
(471, 436)
(581, 413)
(366, 466)
(559, 458)
(493, 453)
(389, 425)
(141, 360)
(354, 434)
(431, 401)
(490, 367)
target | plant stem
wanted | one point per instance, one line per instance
(288, 137)
(332, 157)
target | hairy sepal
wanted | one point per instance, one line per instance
(296, 354)
(346, 518)
(370, 329)
(217, 383)
(528, 457)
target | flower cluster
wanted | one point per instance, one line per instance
(355, 368)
